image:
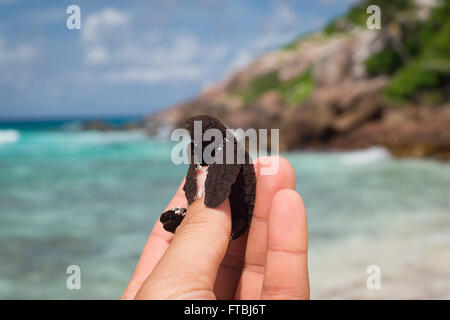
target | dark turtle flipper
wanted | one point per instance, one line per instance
(221, 176)
(218, 183)
(242, 200)
(190, 185)
(239, 213)
(172, 218)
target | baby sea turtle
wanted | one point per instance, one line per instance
(235, 180)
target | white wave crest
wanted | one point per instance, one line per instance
(9, 136)
(95, 137)
(366, 156)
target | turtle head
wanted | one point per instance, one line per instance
(203, 123)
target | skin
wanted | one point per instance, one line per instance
(268, 262)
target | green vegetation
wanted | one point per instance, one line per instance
(417, 60)
(386, 62)
(420, 62)
(390, 10)
(297, 90)
(257, 86)
(293, 91)
(427, 71)
(409, 80)
(331, 28)
(358, 15)
(293, 44)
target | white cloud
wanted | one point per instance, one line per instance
(283, 17)
(21, 53)
(98, 24)
(274, 39)
(100, 31)
(280, 27)
(156, 74)
(16, 62)
(182, 59)
(217, 52)
(184, 48)
(242, 58)
(181, 50)
(126, 56)
(96, 55)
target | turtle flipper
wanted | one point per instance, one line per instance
(172, 218)
(218, 183)
(242, 200)
(222, 176)
(190, 185)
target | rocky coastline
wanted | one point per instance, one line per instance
(321, 95)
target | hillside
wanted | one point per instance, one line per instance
(345, 86)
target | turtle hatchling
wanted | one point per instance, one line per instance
(233, 179)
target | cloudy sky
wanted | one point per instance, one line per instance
(135, 57)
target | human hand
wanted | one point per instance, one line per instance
(198, 262)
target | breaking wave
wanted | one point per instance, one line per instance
(366, 156)
(9, 136)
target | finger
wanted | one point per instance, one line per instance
(188, 268)
(286, 269)
(156, 245)
(267, 186)
(230, 269)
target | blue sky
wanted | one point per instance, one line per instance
(135, 57)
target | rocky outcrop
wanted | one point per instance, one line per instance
(412, 132)
(345, 108)
(332, 112)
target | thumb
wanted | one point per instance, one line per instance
(188, 269)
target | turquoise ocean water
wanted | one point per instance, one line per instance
(91, 199)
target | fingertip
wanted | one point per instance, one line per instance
(278, 169)
(286, 170)
(287, 221)
(286, 272)
(288, 198)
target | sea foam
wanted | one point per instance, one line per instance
(366, 156)
(9, 136)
